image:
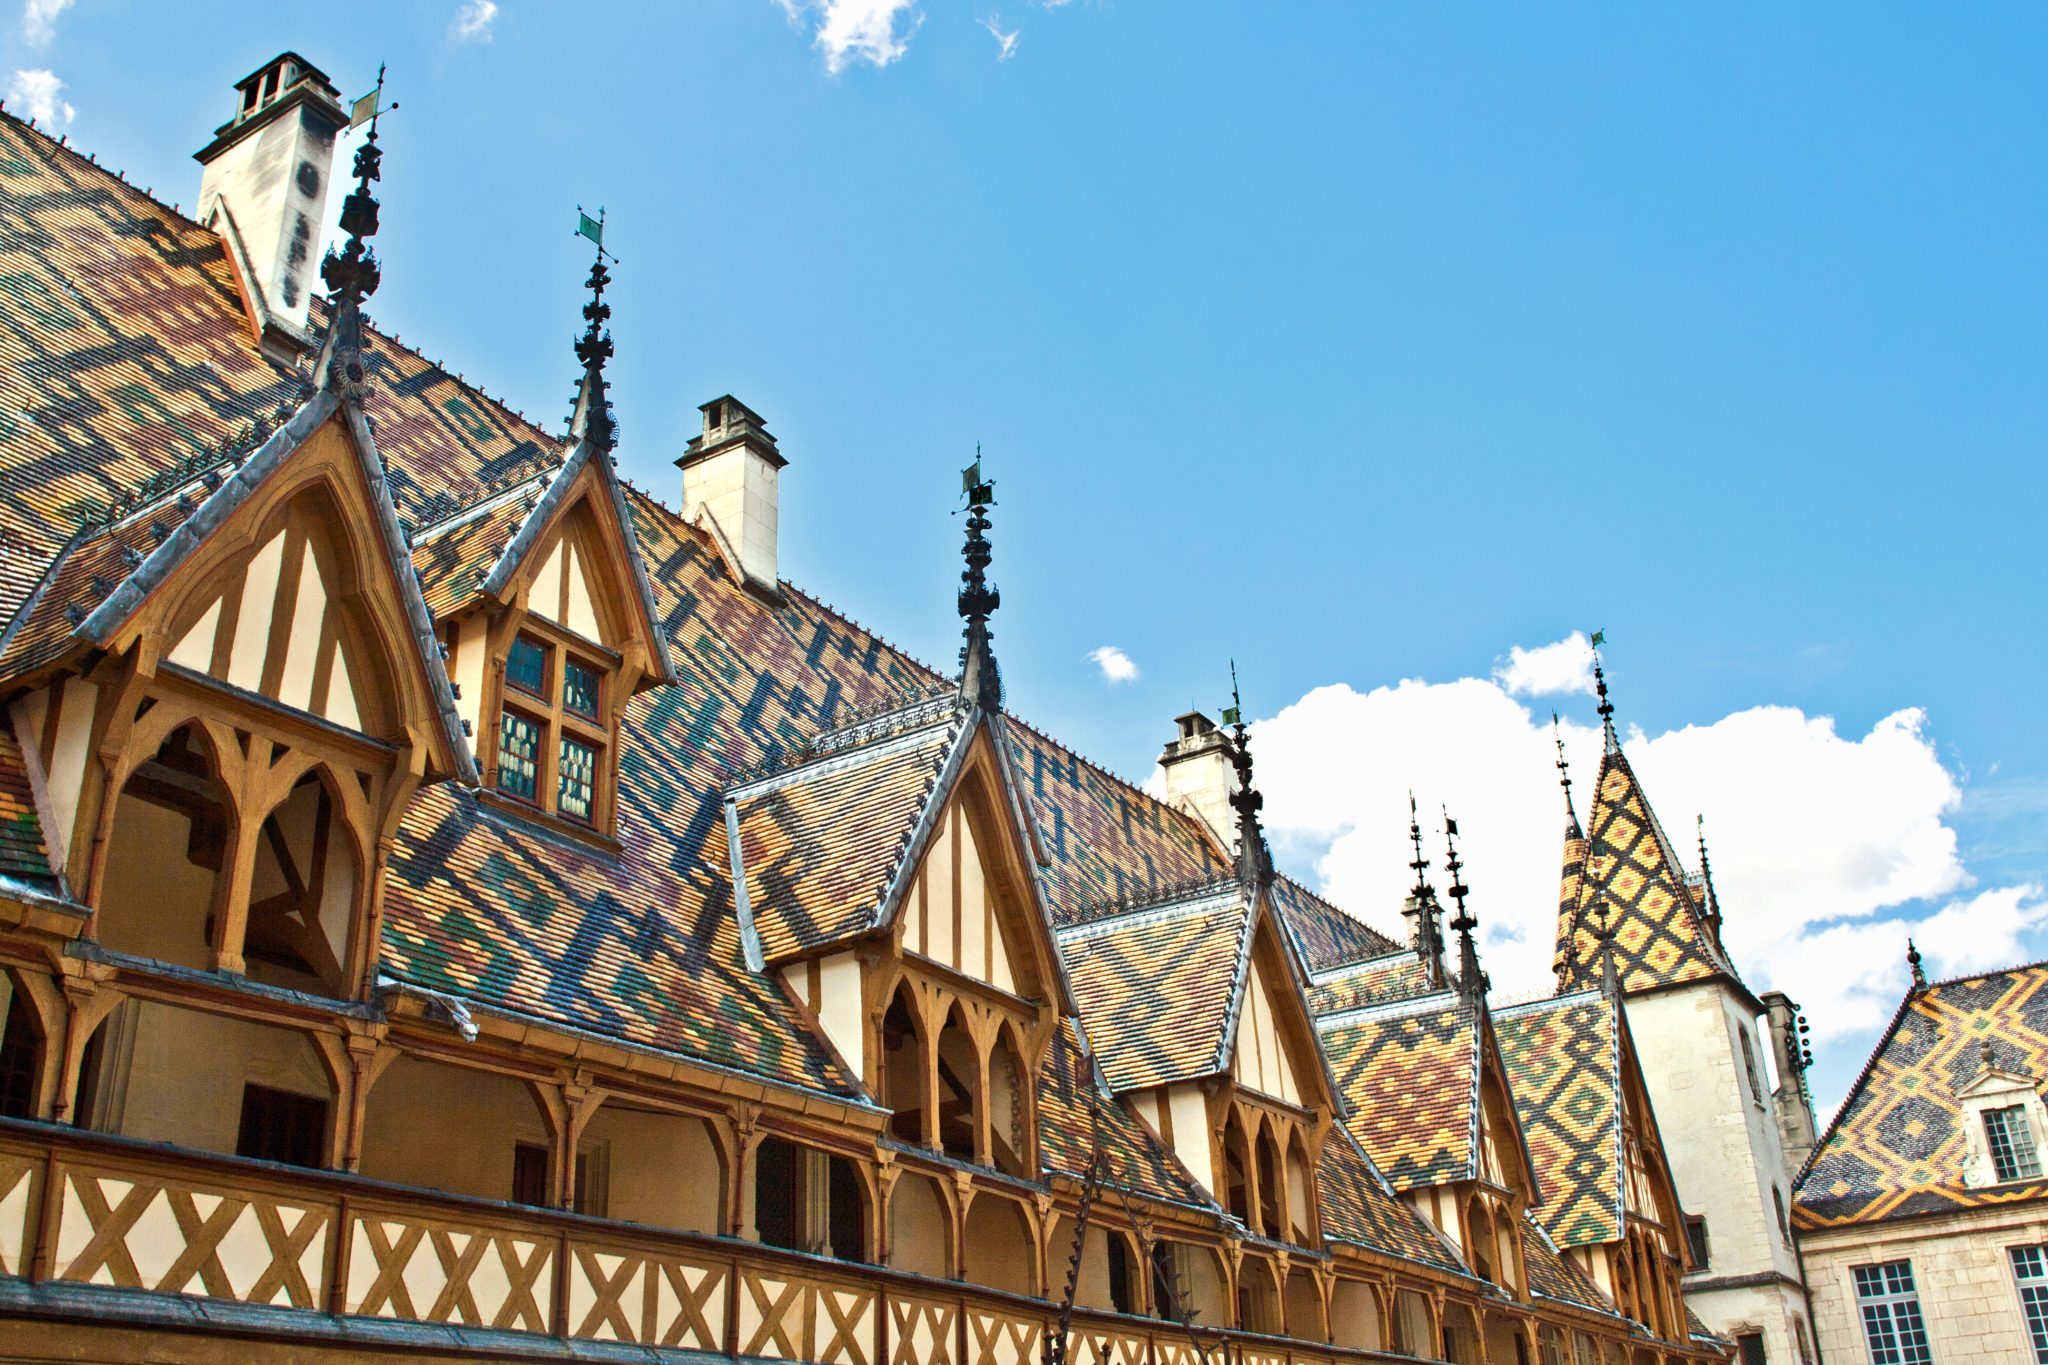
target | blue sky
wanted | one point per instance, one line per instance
(1359, 342)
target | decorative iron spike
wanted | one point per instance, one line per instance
(1564, 778)
(1472, 982)
(1606, 707)
(981, 679)
(1913, 962)
(1254, 861)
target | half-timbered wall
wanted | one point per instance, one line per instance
(949, 915)
(1262, 1061)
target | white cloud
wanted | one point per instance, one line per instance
(34, 93)
(472, 23)
(850, 31)
(1548, 670)
(39, 21)
(1828, 850)
(1116, 665)
(1007, 42)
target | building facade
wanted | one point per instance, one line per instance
(1923, 1218)
(452, 902)
(1630, 918)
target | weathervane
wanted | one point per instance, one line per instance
(352, 273)
(592, 418)
(981, 682)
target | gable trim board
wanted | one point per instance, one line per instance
(543, 513)
(157, 567)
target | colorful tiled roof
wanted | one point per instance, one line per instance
(452, 556)
(1399, 975)
(23, 854)
(1178, 962)
(821, 843)
(1631, 870)
(1359, 1207)
(1137, 1161)
(1898, 1145)
(1409, 1073)
(1325, 936)
(1563, 1057)
(1553, 1276)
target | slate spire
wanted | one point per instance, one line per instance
(352, 274)
(981, 682)
(591, 419)
(1472, 982)
(1254, 863)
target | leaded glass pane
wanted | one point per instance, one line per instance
(579, 688)
(519, 742)
(526, 666)
(578, 780)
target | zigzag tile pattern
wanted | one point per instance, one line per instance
(451, 563)
(1660, 939)
(820, 847)
(1897, 1148)
(1410, 1078)
(1563, 1061)
(1174, 966)
(1325, 935)
(1359, 1208)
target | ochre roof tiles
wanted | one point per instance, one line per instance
(1409, 1075)
(1563, 1057)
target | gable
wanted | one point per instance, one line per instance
(571, 581)
(949, 913)
(1262, 1061)
(290, 596)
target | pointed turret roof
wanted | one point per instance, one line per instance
(1662, 933)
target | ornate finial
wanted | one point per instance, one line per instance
(1254, 864)
(1610, 984)
(592, 418)
(1422, 906)
(1564, 778)
(980, 681)
(1913, 961)
(1986, 1055)
(1711, 905)
(1472, 982)
(1606, 707)
(352, 273)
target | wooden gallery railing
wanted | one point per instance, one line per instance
(86, 1208)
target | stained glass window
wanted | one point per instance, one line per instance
(579, 688)
(526, 666)
(518, 755)
(578, 780)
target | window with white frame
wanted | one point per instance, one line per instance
(2011, 1141)
(1892, 1326)
(2030, 1268)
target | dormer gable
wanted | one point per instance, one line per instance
(287, 584)
(1273, 1052)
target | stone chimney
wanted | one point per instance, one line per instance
(1199, 777)
(731, 476)
(1791, 1102)
(264, 191)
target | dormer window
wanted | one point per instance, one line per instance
(2011, 1141)
(551, 732)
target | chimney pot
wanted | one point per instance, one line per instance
(1200, 777)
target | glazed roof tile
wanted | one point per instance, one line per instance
(821, 843)
(451, 558)
(1177, 962)
(1325, 936)
(1563, 1057)
(23, 854)
(1409, 1073)
(1138, 1162)
(1399, 975)
(1630, 868)
(1552, 1275)
(1898, 1146)
(1361, 1208)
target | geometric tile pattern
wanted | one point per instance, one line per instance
(1066, 1084)
(1325, 935)
(23, 855)
(1360, 1208)
(823, 841)
(1630, 869)
(1410, 1073)
(1400, 975)
(1897, 1147)
(1563, 1058)
(1554, 1277)
(1134, 972)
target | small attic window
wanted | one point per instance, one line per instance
(270, 79)
(249, 97)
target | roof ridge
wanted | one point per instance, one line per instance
(90, 161)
